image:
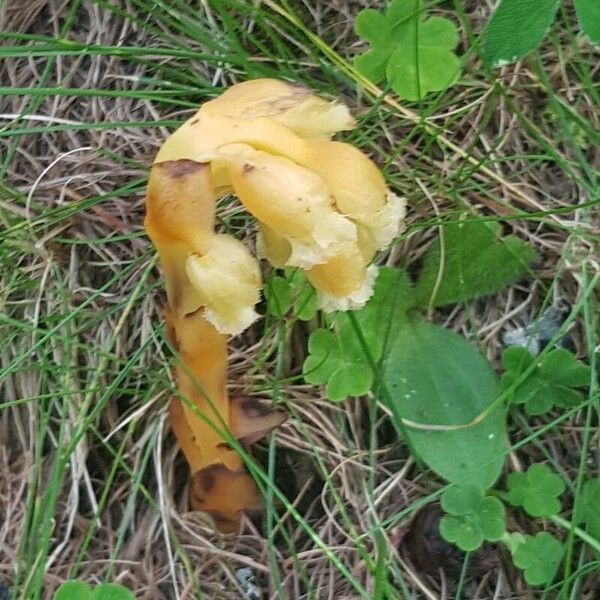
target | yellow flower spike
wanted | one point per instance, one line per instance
(321, 205)
(180, 205)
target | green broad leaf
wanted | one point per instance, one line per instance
(516, 28)
(476, 261)
(539, 558)
(112, 591)
(414, 54)
(589, 512)
(553, 382)
(381, 317)
(537, 491)
(434, 377)
(588, 15)
(472, 517)
(74, 590)
(339, 358)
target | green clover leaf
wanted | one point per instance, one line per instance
(79, 590)
(345, 374)
(291, 292)
(373, 27)
(425, 61)
(552, 382)
(339, 359)
(562, 368)
(415, 55)
(536, 491)
(278, 294)
(516, 360)
(472, 517)
(304, 296)
(513, 540)
(112, 591)
(71, 590)
(539, 558)
(324, 356)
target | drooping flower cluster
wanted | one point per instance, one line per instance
(321, 206)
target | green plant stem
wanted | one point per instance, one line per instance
(580, 533)
(590, 331)
(463, 576)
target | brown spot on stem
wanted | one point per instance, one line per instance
(248, 168)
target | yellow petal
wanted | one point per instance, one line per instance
(290, 200)
(273, 247)
(359, 189)
(290, 104)
(199, 138)
(344, 282)
(227, 279)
